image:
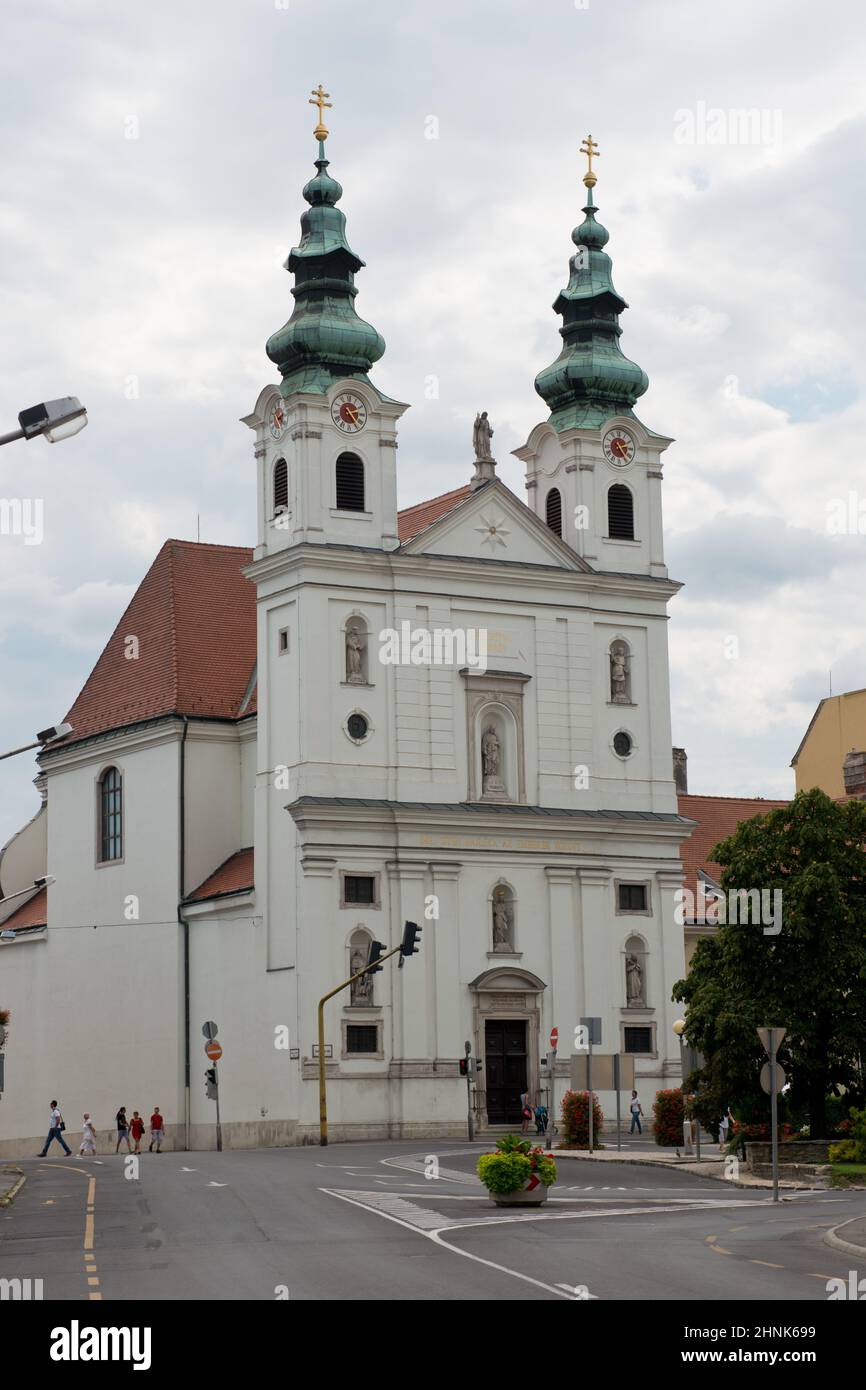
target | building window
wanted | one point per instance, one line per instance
(350, 483)
(281, 486)
(364, 1037)
(622, 744)
(110, 816)
(632, 897)
(360, 890)
(620, 513)
(357, 727)
(283, 643)
(638, 1040)
(553, 510)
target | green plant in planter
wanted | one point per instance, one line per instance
(513, 1164)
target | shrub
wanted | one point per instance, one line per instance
(575, 1119)
(668, 1117)
(858, 1134)
(514, 1162)
(843, 1152)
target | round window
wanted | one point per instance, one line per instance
(357, 726)
(622, 744)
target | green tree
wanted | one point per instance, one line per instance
(810, 978)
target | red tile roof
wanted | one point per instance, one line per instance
(194, 617)
(234, 876)
(717, 817)
(415, 519)
(33, 913)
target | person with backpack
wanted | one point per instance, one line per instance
(56, 1132)
(136, 1129)
(636, 1109)
(122, 1130)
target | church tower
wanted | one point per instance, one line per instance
(325, 437)
(593, 470)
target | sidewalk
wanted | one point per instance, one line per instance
(666, 1158)
(850, 1236)
(12, 1179)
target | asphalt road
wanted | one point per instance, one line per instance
(364, 1221)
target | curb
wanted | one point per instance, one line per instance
(837, 1243)
(682, 1166)
(11, 1193)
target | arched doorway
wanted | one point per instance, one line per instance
(506, 1020)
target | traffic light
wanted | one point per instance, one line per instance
(464, 1066)
(375, 951)
(210, 1078)
(410, 944)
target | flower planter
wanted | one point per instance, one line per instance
(523, 1197)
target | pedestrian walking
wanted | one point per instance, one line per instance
(636, 1109)
(136, 1129)
(725, 1125)
(157, 1130)
(526, 1111)
(122, 1130)
(55, 1131)
(88, 1137)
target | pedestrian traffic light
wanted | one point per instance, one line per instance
(374, 953)
(410, 944)
(464, 1066)
(210, 1078)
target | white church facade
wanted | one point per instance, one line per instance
(457, 715)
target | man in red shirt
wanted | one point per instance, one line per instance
(157, 1130)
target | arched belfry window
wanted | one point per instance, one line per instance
(281, 486)
(350, 483)
(620, 513)
(553, 510)
(110, 816)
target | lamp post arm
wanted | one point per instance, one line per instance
(323, 1102)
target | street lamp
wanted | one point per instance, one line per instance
(679, 1028)
(57, 731)
(55, 420)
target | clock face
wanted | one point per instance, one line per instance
(618, 447)
(278, 419)
(349, 413)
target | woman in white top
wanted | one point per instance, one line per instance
(88, 1136)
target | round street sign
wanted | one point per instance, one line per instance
(214, 1051)
(554, 1038)
(209, 1030)
(781, 1078)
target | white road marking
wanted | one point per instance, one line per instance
(217, 1184)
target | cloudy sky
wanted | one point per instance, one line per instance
(153, 162)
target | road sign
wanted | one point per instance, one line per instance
(214, 1051)
(781, 1079)
(593, 1027)
(778, 1036)
(209, 1031)
(554, 1038)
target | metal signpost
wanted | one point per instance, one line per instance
(467, 1047)
(551, 1099)
(213, 1052)
(593, 1030)
(772, 1040)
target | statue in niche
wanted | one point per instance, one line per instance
(361, 991)
(633, 981)
(501, 921)
(482, 433)
(619, 675)
(491, 755)
(354, 657)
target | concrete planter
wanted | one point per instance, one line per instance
(523, 1197)
(795, 1151)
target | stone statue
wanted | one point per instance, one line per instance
(490, 758)
(354, 657)
(361, 990)
(482, 433)
(619, 676)
(501, 923)
(633, 980)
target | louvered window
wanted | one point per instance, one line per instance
(350, 483)
(281, 486)
(620, 513)
(553, 510)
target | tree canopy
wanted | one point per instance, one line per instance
(809, 978)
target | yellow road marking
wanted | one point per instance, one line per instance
(720, 1250)
(93, 1281)
(768, 1263)
(95, 1297)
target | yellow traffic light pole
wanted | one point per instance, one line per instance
(323, 1099)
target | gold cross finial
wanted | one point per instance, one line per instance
(591, 150)
(319, 98)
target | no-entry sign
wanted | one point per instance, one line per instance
(554, 1038)
(214, 1051)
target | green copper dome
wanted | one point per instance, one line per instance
(591, 378)
(324, 339)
